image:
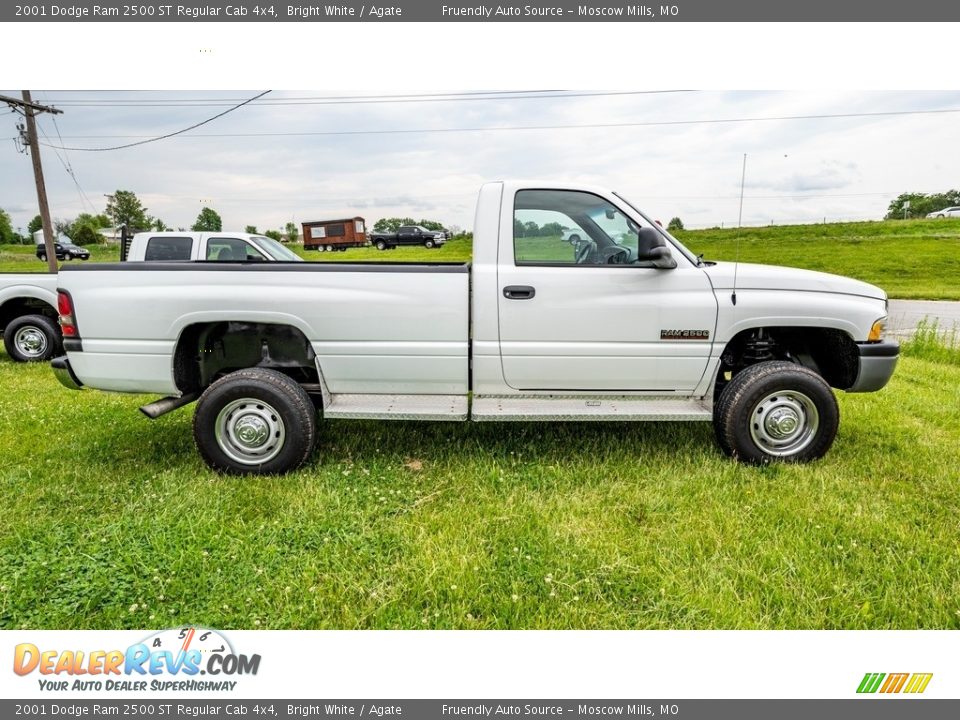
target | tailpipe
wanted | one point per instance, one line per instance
(168, 404)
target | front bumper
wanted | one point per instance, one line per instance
(877, 363)
(64, 373)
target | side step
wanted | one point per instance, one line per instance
(596, 408)
(397, 407)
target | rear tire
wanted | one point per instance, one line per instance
(776, 412)
(255, 422)
(32, 338)
(381, 245)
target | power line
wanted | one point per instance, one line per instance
(162, 137)
(67, 165)
(506, 128)
(363, 99)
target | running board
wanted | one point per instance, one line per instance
(583, 408)
(397, 407)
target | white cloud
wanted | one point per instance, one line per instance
(796, 170)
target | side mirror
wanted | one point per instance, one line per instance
(661, 258)
(652, 248)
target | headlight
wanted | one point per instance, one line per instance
(878, 330)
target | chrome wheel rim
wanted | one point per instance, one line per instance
(31, 341)
(784, 423)
(250, 431)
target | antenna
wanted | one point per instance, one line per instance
(736, 262)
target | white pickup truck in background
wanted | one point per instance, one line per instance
(28, 301)
(627, 325)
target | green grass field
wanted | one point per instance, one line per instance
(915, 259)
(108, 520)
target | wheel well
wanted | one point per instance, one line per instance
(208, 351)
(830, 353)
(17, 307)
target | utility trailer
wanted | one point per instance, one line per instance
(335, 235)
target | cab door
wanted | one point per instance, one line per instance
(573, 318)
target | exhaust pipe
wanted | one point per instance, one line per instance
(168, 404)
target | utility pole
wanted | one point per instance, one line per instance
(30, 109)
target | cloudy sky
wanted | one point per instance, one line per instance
(300, 155)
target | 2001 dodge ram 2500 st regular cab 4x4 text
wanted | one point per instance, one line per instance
(629, 325)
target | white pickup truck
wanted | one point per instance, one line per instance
(626, 325)
(28, 301)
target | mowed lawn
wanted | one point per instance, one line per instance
(108, 520)
(913, 259)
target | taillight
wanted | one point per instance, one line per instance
(68, 323)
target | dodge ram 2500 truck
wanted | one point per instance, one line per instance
(629, 325)
(28, 301)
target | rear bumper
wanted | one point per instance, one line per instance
(877, 363)
(64, 373)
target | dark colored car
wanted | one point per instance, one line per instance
(64, 250)
(408, 235)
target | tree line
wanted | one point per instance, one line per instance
(125, 208)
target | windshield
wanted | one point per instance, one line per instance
(275, 250)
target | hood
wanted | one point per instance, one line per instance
(773, 277)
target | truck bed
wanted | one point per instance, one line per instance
(384, 328)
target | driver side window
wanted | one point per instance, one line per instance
(566, 227)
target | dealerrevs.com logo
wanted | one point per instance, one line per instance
(891, 683)
(183, 659)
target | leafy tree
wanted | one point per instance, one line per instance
(159, 225)
(61, 227)
(252, 229)
(675, 224)
(85, 230)
(7, 235)
(920, 204)
(125, 208)
(392, 224)
(431, 225)
(291, 231)
(551, 229)
(274, 234)
(208, 221)
(35, 224)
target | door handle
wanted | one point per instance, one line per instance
(519, 292)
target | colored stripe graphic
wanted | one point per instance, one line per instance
(894, 683)
(918, 683)
(870, 682)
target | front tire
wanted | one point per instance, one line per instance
(31, 338)
(776, 412)
(428, 244)
(255, 422)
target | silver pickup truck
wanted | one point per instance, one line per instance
(629, 325)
